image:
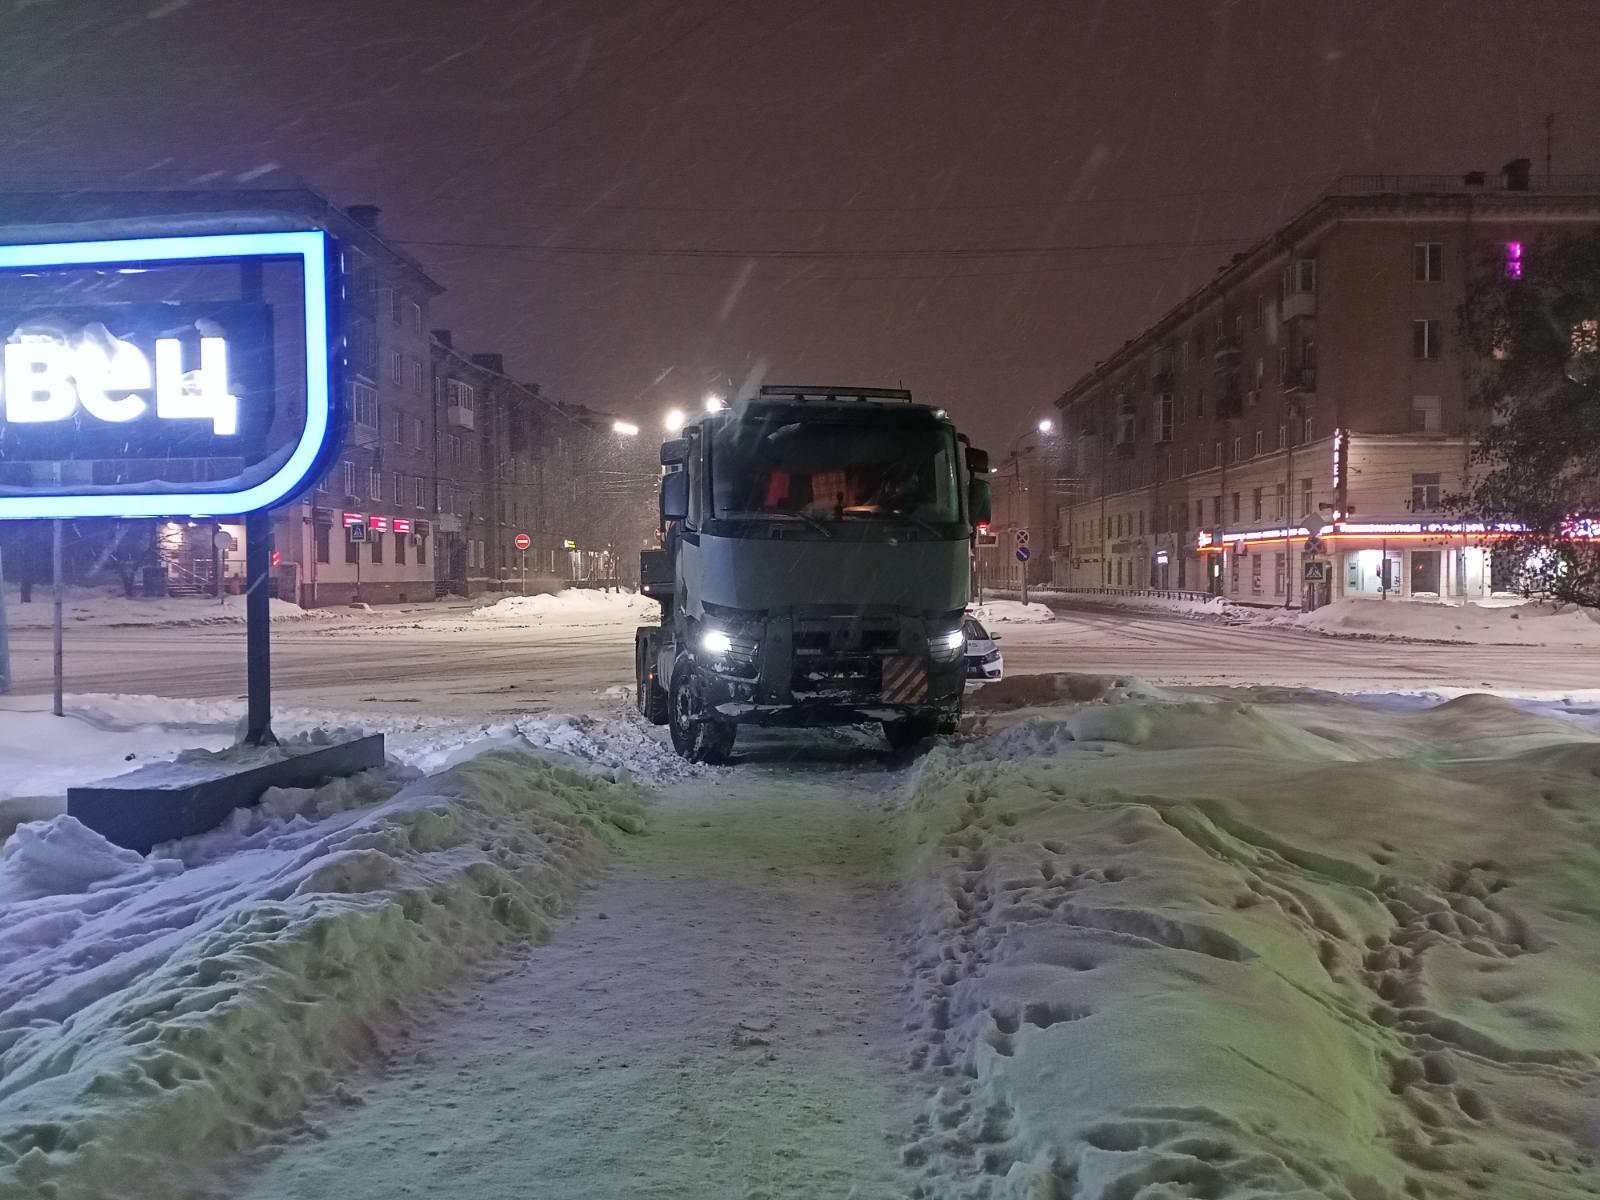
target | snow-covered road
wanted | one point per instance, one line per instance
(452, 666)
(718, 1018)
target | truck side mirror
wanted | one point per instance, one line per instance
(980, 500)
(977, 461)
(675, 496)
(674, 453)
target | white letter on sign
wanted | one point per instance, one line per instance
(202, 394)
(38, 383)
(124, 369)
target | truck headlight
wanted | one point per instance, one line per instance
(947, 646)
(716, 643)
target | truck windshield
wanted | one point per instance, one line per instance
(834, 471)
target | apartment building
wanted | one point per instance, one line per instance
(368, 533)
(1316, 386)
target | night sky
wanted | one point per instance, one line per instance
(663, 196)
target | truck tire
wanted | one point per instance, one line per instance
(908, 731)
(696, 736)
(648, 694)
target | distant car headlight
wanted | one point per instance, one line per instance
(716, 643)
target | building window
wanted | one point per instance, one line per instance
(416, 376)
(1513, 260)
(1216, 458)
(1237, 443)
(1425, 414)
(364, 404)
(1283, 437)
(1261, 310)
(1306, 497)
(422, 550)
(352, 550)
(1585, 337)
(1185, 461)
(349, 478)
(1427, 262)
(397, 429)
(460, 394)
(1216, 510)
(1141, 522)
(376, 542)
(395, 305)
(322, 486)
(1260, 442)
(1235, 508)
(1308, 430)
(1301, 276)
(324, 539)
(455, 448)
(375, 483)
(396, 368)
(1255, 505)
(1280, 573)
(1425, 493)
(1425, 339)
(1281, 502)
(416, 318)
(400, 548)
(416, 491)
(399, 487)
(1255, 574)
(416, 432)
(1164, 418)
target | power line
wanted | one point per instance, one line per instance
(796, 253)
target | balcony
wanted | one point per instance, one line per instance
(1300, 379)
(1226, 355)
(460, 416)
(1299, 305)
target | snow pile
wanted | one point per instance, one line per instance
(158, 1013)
(577, 603)
(1031, 691)
(1514, 624)
(1012, 612)
(95, 606)
(1219, 949)
(1215, 607)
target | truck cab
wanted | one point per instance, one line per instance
(814, 569)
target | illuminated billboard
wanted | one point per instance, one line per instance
(165, 376)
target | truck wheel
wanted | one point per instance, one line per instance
(648, 694)
(908, 731)
(696, 736)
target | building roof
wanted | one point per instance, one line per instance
(1353, 197)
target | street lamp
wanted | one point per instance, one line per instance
(1046, 425)
(625, 428)
(674, 420)
(714, 403)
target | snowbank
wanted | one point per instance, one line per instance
(95, 606)
(1502, 624)
(1314, 947)
(1012, 612)
(575, 606)
(1213, 607)
(158, 1013)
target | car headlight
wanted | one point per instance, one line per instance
(716, 643)
(992, 657)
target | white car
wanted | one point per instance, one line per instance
(984, 661)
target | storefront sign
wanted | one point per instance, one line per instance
(164, 376)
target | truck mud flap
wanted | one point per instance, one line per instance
(905, 680)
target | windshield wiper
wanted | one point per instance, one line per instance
(901, 515)
(780, 514)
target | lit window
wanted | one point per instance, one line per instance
(1586, 337)
(1513, 260)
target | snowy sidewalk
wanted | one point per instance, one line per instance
(717, 1019)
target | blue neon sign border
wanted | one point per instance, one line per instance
(312, 247)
